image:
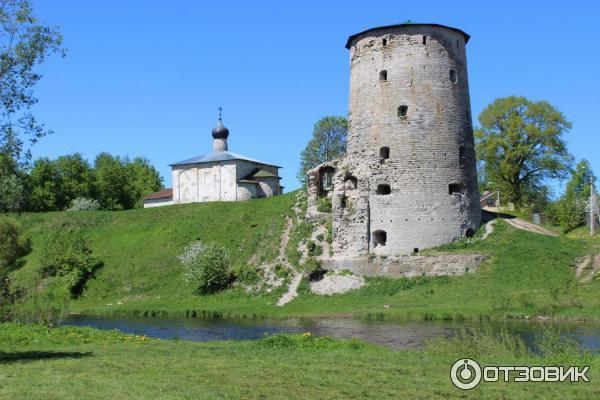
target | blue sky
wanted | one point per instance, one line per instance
(146, 77)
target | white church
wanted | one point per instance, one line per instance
(218, 176)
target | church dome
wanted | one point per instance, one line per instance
(219, 131)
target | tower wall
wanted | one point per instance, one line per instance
(410, 145)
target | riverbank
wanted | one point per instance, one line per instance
(528, 276)
(75, 363)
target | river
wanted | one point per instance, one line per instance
(397, 335)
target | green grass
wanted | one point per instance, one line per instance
(527, 275)
(77, 363)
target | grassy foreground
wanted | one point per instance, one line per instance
(76, 363)
(527, 274)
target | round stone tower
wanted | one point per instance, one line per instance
(410, 165)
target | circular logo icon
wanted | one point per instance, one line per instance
(465, 374)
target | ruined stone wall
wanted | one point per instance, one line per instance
(410, 144)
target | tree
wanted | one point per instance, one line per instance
(121, 184)
(569, 210)
(520, 145)
(55, 184)
(111, 182)
(24, 43)
(328, 143)
(144, 179)
(12, 185)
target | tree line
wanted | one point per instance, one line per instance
(70, 182)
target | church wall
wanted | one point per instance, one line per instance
(204, 182)
(247, 191)
(269, 186)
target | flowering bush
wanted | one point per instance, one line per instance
(207, 266)
(84, 204)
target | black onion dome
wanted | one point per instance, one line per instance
(220, 132)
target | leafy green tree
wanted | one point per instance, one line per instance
(569, 210)
(328, 143)
(121, 184)
(13, 185)
(24, 43)
(45, 186)
(55, 184)
(520, 145)
(144, 179)
(111, 182)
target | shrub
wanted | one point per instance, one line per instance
(12, 245)
(67, 254)
(84, 204)
(314, 249)
(324, 205)
(207, 266)
(312, 268)
(247, 274)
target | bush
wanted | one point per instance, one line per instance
(247, 274)
(84, 204)
(314, 249)
(67, 254)
(324, 205)
(312, 268)
(207, 266)
(12, 245)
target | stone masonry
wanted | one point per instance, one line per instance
(408, 180)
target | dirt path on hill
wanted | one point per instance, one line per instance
(581, 264)
(594, 263)
(292, 292)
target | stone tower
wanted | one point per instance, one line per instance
(409, 179)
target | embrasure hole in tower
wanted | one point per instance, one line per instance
(461, 154)
(454, 188)
(424, 39)
(470, 232)
(379, 238)
(384, 153)
(383, 75)
(402, 111)
(343, 202)
(384, 42)
(384, 189)
(416, 250)
(452, 76)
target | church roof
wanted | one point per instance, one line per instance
(163, 194)
(216, 156)
(257, 173)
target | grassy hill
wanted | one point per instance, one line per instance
(139, 247)
(527, 274)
